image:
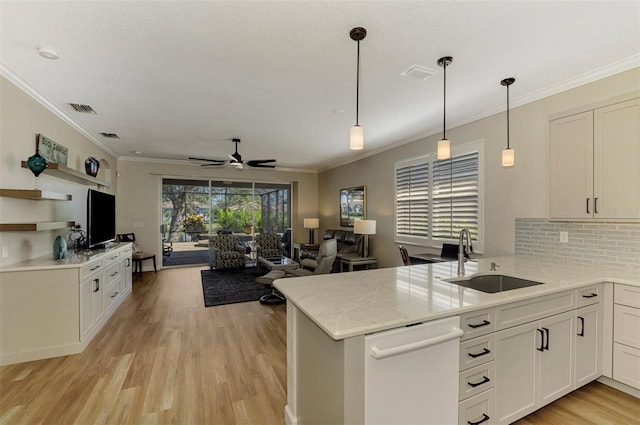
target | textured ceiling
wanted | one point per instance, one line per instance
(175, 79)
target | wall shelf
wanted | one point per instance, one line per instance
(64, 172)
(36, 227)
(34, 194)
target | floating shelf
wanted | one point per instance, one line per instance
(64, 172)
(34, 194)
(35, 227)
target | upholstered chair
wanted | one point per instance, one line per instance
(225, 252)
(321, 265)
(269, 245)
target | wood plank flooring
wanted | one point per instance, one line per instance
(164, 358)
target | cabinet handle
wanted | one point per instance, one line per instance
(484, 352)
(97, 287)
(546, 346)
(114, 294)
(95, 268)
(484, 419)
(595, 205)
(581, 333)
(477, 384)
(588, 206)
(541, 348)
(484, 323)
(113, 274)
(128, 262)
(591, 295)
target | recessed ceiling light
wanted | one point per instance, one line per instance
(338, 111)
(47, 52)
(418, 72)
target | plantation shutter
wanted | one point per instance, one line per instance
(455, 196)
(412, 200)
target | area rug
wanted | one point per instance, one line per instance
(181, 258)
(231, 286)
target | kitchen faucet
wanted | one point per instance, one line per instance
(461, 252)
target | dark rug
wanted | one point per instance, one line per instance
(232, 286)
(181, 258)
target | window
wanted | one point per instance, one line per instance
(436, 199)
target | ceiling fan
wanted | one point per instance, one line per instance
(235, 160)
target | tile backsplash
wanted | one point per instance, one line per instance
(606, 244)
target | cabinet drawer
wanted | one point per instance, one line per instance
(111, 294)
(477, 410)
(477, 323)
(627, 295)
(111, 258)
(477, 351)
(91, 268)
(476, 380)
(111, 273)
(589, 295)
(626, 365)
(626, 325)
(537, 308)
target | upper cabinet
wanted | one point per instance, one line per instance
(595, 163)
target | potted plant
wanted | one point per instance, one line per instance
(194, 225)
(248, 228)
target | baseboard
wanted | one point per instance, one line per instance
(619, 386)
(289, 418)
(41, 353)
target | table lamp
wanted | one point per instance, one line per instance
(311, 224)
(366, 228)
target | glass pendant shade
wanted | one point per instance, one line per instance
(36, 164)
(508, 158)
(356, 138)
(444, 149)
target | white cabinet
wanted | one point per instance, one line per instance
(595, 163)
(91, 303)
(127, 269)
(626, 335)
(588, 344)
(556, 360)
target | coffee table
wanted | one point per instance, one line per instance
(278, 263)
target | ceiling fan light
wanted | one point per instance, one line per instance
(444, 149)
(508, 158)
(356, 138)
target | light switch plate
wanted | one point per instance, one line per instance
(564, 237)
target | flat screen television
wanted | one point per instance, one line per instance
(101, 218)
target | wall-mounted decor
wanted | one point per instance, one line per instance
(91, 166)
(51, 151)
(353, 205)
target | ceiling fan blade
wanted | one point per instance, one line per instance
(214, 165)
(220, 161)
(261, 163)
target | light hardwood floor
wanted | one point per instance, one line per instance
(164, 358)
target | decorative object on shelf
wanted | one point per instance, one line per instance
(444, 145)
(508, 155)
(366, 228)
(51, 151)
(311, 224)
(356, 134)
(59, 248)
(37, 164)
(78, 238)
(353, 205)
(91, 166)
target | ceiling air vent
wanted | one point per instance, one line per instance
(110, 135)
(83, 108)
(418, 72)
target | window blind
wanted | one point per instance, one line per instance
(412, 200)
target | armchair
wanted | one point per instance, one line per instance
(269, 245)
(225, 252)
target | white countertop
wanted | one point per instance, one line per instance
(356, 303)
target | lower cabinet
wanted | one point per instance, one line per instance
(588, 344)
(626, 335)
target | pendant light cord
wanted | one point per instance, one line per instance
(358, 86)
(444, 114)
(508, 118)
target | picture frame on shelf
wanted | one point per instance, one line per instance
(353, 205)
(51, 151)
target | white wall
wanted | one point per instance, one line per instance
(139, 195)
(21, 118)
(522, 191)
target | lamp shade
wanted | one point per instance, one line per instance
(364, 227)
(508, 158)
(444, 149)
(311, 223)
(356, 138)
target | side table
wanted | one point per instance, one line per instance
(350, 262)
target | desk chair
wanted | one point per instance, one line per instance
(138, 256)
(405, 255)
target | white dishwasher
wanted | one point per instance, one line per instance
(411, 374)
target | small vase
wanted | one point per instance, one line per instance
(59, 248)
(91, 166)
(37, 165)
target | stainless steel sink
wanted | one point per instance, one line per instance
(493, 283)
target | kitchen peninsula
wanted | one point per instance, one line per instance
(556, 336)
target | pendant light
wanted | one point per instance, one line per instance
(444, 145)
(356, 134)
(508, 155)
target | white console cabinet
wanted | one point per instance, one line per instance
(50, 309)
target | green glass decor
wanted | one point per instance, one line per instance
(37, 165)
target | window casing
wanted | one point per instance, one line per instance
(436, 199)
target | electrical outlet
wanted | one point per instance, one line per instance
(564, 237)
(5, 251)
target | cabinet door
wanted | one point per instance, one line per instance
(96, 297)
(588, 359)
(516, 372)
(556, 361)
(571, 166)
(127, 271)
(617, 161)
(86, 308)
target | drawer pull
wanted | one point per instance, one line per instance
(113, 274)
(114, 294)
(477, 384)
(484, 352)
(484, 419)
(484, 323)
(591, 295)
(97, 287)
(95, 268)
(581, 333)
